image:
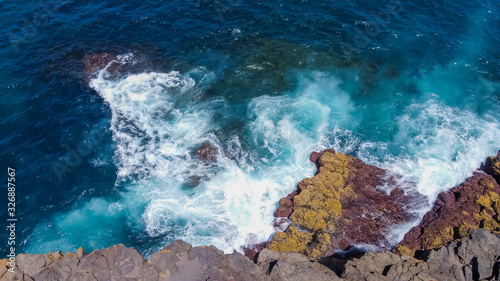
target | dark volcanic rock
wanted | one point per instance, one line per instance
(206, 152)
(340, 206)
(471, 205)
(492, 166)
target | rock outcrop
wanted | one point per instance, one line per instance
(492, 166)
(206, 152)
(342, 205)
(476, 257)
(178, 261)
(472, 205)
(293, 267)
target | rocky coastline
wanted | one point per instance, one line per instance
(341, 206)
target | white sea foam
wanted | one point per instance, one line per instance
(236, 198)
(436, 146)
(158, 119)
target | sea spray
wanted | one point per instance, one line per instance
(159, 119)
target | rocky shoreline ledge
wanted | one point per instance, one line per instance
(341, 206)
(474, 257)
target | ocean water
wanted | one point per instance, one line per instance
(410, 86)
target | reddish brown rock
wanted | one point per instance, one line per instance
(251, 251)
(285, 209)
(342, 205)
(316, 155)
(96, 62)
(206, 152)
(471, 205)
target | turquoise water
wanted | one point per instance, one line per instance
(412, 87)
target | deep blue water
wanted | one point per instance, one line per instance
(411, 86)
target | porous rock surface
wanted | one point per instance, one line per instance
(342, 205)
(472, 205)
(475, 257)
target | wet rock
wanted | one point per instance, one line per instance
(492, 166)
(342, 206)
(96, 62)
(316, 155)
(472, 205)
(285, 209)
(206, 152)
(193, 181)
(251, 251)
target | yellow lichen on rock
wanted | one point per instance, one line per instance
(292, 240)
(317, 206)
(496, 207)
(483, 201)
(403, 250)
(445, 236)
(466, 228)
(494, 196)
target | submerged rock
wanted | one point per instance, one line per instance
(96, 62)
(206, 152)
(473, 204)
(342, 205)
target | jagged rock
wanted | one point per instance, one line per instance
(492, 166)
(179, 261)
(475, 257)
(206, 152)
(473, 204)
(251, 251)
(114, 263)
(316, 155)
(285, 209)
(342, 206)
(293, 267)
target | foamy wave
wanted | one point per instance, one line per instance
(438, 146)
(158, 120)
(155, 134)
